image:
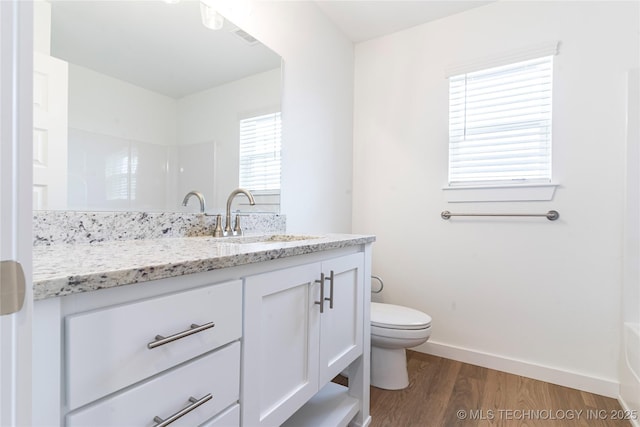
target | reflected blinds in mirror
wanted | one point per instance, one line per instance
(260, 153)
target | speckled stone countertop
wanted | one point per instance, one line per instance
(60, 270)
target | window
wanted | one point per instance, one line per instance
(260, 153)
(500, 124)
(121, 171)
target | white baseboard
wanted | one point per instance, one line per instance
(561, 377)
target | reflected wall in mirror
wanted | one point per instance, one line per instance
(136, 103)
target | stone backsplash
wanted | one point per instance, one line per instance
(55, 227)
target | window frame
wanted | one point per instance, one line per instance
(503, 190)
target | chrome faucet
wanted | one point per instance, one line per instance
(200, 197)
(236, 231)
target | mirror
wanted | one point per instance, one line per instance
(152, 109)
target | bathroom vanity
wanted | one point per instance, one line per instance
(215, 332)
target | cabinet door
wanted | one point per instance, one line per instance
(341, 326)
(281, 339)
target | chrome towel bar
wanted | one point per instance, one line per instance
(551, 215)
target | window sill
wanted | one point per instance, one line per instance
(500, 193)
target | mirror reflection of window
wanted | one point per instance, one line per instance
(260, 153)
(118, 177)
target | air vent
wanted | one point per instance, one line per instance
(246, 37)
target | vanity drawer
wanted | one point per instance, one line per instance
(229, 418)
(217, 374)
(107, 349)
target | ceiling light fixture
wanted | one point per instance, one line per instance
(210, 17)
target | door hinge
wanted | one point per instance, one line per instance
(12, 287)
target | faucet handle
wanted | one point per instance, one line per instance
(237, 230)
(217, 231)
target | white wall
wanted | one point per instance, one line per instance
(529, 296)
(317, 110)
(42, 27)
(105, 105)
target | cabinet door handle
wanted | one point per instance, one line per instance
(322, 298)
(160, 340)
(181, 413)
(330, 299)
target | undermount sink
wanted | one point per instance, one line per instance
(269, 238)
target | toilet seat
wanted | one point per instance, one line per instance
(401, 334)
(390, 316)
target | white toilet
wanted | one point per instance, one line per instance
(394, 328)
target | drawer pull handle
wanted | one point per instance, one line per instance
(160, 340)
(181, 413)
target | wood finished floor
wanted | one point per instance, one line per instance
(447, 393)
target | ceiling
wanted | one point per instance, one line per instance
(362, 20)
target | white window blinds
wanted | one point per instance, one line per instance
(260, 153)
(500, 124)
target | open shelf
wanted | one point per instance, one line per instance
(331, 407)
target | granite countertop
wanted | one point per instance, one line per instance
(65, 269)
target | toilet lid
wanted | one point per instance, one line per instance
(398, 317)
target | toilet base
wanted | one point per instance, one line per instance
(389, 368)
